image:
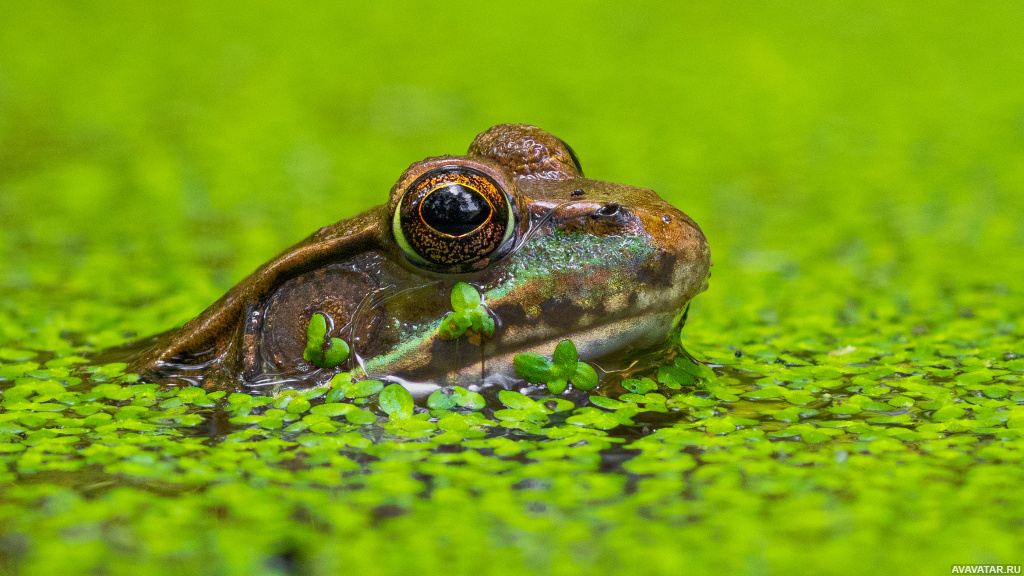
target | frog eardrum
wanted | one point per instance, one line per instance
(454, 218)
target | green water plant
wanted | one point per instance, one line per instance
(325, 354)
(562, 369)
(468, 312)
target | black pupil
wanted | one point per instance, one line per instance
(455, 210)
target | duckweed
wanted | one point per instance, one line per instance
(563, 368)
(77, 452)
(468, 312)
(325, 355)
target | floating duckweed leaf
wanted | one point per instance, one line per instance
(995, 392)
(564, 367)
(697, 370)
(826, 372)
(900, 401)
(359, 416)
(689, 400)
(585, 377)
(455, 325)
(557, 385)
(113, 391)
(189, 394)
(467, 399)
(298, 405)
(517, 401)
(438, 400)
(565, 357)
(552, 405)
(847, 408)
(402, 424)
(11, 371)
(340, 380)
(718, 425)
(107, 371)
(876, 390)
(641, 386)
(798, 397)
(362, 389)
(674, 377)
(316, 330)
(598, 419)
(947, 413)
(765, 393)
(336, 353)
(396, 401)
(14, 354)
(791, 414)
(609, 403)
(885, 445)
(975, 377)
(66, 361)
(531, 416)
(468, 312)
(532, 367)
(331, 410)
(270, 422)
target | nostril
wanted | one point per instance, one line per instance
(610, 209)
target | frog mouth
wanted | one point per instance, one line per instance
(469, 363)
(493, 366)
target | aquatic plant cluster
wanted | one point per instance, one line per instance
(782, 455)
(857, 168)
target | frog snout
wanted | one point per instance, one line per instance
(684, 244)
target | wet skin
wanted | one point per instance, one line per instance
(555, 255)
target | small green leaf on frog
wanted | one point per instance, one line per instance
(468, 312)
(557, 373)
(465, 297)
(327, 357)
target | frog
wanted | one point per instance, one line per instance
(550, 254)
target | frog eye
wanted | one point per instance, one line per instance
(453, 219)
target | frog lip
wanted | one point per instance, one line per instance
(595, 336)
(592, 342)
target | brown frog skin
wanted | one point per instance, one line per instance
(555, 256)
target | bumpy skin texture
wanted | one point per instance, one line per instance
(608, 265)
(527, 152)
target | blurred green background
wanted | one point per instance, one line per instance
(152, 154)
